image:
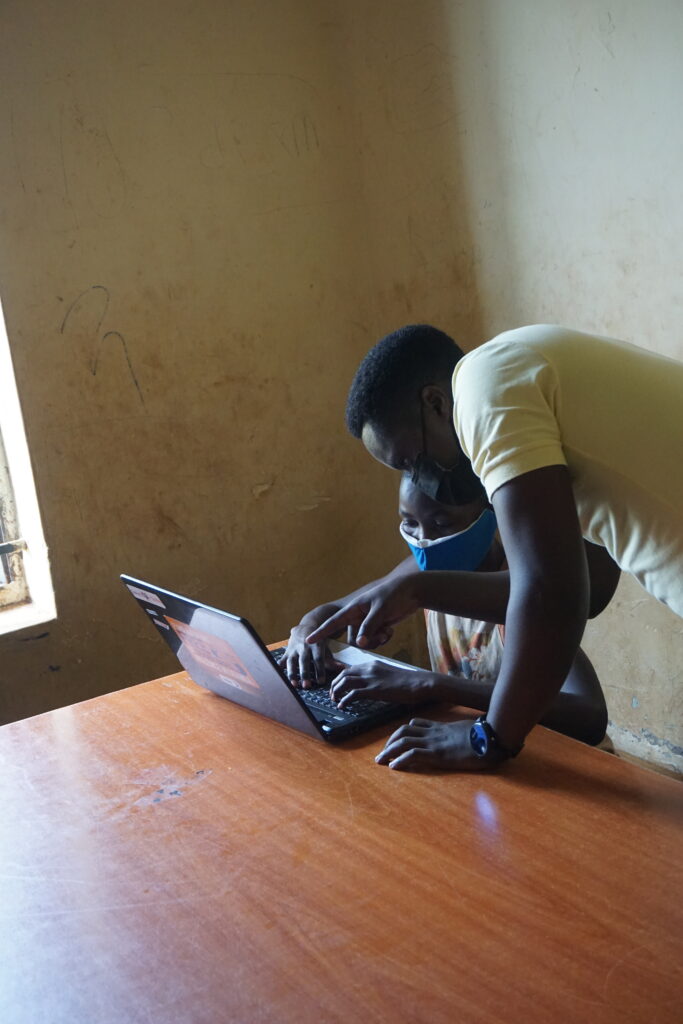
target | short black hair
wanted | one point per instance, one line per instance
(393, 373)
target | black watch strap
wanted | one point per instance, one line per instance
(485, 742)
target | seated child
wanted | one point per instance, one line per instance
(465, 654)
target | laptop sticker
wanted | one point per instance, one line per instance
(215, 655)
(145, 595)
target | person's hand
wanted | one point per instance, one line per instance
(374, 680)
(379, 640)
(373, 613)
(307, 665)
(424, 744)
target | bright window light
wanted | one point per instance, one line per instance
(26, 594)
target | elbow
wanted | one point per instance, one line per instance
(600, 596)
(598, 602)
(593, 728)
(604, 574)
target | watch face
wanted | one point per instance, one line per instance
(479, 740)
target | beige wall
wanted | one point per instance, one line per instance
(209, 212)
(572, 147)
(247, 196)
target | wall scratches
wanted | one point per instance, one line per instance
(65, 178)
(98, 352)
(76, 301)
(99, 342)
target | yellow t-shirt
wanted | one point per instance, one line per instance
(611, 412)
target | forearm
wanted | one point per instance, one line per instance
(473, 595)
(578, 710)
(467, 693)
(542, 636)
(404, 568)
(485, 595)
(312, 619)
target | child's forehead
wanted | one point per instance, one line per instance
(419, 505)
(412, 498)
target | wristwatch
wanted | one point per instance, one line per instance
(485, 742)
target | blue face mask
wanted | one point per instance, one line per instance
(464, 551)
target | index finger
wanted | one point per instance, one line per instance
(349, 615)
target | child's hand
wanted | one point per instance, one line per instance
(375, 680)
(307, 665)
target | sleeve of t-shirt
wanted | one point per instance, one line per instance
(505, 401)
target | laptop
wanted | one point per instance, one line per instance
(225, 654)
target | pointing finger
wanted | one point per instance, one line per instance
(374, 625)
(350, 615)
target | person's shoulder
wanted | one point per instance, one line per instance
(521, 339)
(514, 350)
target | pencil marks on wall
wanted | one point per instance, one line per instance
(298, 136)
(90, 165)
(264, 125)
(65, 176)
(91, 306)
(96, 292)
(262, 143)
(116, 336)
(420, 94)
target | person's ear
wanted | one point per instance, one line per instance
(436, 399)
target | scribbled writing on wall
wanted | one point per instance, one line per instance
(100, 295)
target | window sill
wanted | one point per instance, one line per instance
(25, 616)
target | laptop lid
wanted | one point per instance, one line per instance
(224, 654)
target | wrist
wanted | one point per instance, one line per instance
(301, 631)
(442, 687)
(488, 744)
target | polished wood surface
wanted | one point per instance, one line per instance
(169, 857)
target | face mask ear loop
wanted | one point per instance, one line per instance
(422, 428)
(422, 454)
(425, 453)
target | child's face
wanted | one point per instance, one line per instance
(426, 519)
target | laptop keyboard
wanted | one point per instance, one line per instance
(319, 696)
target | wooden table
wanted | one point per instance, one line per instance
(168, 857)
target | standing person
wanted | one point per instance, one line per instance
(574, 437)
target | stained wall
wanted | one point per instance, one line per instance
(210, 211)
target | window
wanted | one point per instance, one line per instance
(26, 594)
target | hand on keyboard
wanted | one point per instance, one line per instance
(308, 666)
(378, 681)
